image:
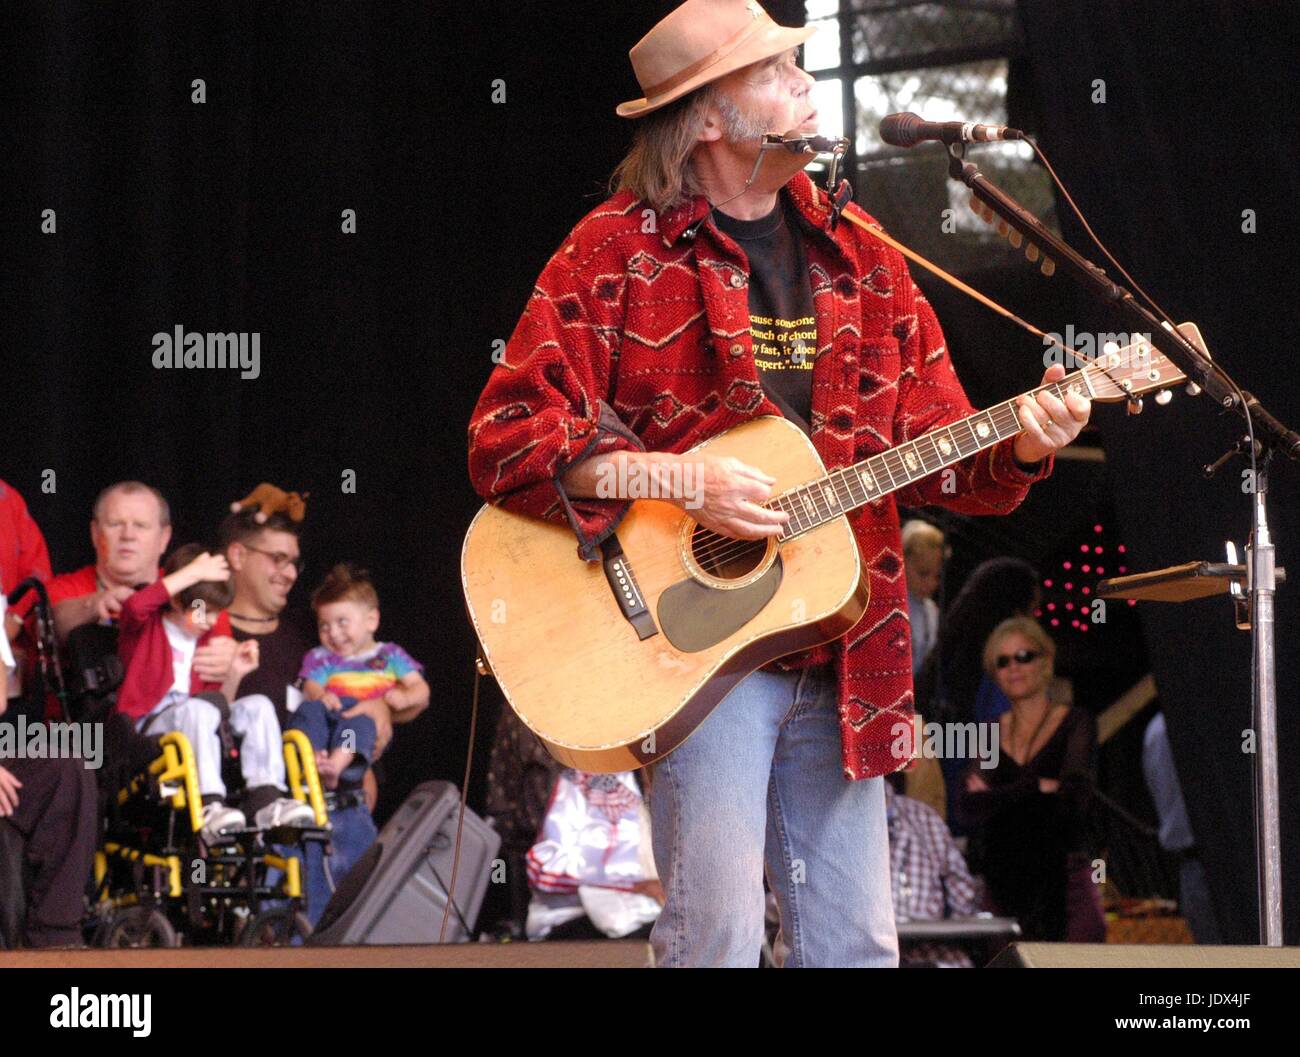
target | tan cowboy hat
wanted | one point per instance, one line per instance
(699, 42)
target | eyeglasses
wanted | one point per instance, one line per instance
(1020, 657)
(279, 558)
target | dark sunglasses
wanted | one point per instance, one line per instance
(1020, 657)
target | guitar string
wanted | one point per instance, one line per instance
(717, 549)
(720, 549)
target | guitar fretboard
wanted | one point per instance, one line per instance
(844, 490)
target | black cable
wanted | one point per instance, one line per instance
(460, 818)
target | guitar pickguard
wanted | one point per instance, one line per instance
(695, 616)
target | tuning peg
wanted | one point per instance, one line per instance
(1192, 389)
(1015, 238)
(1135, 405)
(1164, 396)
(1031, 251)
(1048, 267)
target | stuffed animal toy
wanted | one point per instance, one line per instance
(271, 500)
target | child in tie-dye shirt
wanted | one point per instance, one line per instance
(350, 666)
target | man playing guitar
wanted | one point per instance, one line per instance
(708, 291)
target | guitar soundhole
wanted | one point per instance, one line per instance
(724, 557)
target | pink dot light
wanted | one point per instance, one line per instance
(1085, 568)
(1084, 548)
(1066, 565)
(1096, 528)
(1121, 549)
(1096, 550)
(1055, 623)
(1047, 583)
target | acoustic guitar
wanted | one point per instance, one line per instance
(613, 664)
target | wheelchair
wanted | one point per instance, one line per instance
(156, 883)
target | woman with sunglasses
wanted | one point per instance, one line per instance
(1029, 809)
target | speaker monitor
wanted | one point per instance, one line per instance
(396, 892)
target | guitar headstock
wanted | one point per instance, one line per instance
(1128, 373)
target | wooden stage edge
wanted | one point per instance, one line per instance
(609, 954)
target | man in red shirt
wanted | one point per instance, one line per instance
(22, 554)
(130, 528)
(704, 293)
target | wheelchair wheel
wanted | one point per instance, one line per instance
(277, 927)
(139, 927)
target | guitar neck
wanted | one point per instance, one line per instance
(843, 491)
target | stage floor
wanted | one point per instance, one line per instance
(609, 954)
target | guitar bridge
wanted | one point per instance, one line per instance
(627, 592)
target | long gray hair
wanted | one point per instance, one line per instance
(658, 165)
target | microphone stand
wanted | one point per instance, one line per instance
(1270, 437)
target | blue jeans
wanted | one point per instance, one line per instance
(354, 831)
(761, 784)
(327, 729)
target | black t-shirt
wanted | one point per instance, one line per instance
(782, 325)
(280, 655)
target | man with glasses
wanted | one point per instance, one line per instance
(265, 562)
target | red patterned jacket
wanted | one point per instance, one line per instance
(636, 336)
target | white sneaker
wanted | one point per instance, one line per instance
(217, 818)
(285, 812)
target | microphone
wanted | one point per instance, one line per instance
(907, 130)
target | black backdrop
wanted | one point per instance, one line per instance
(226, 216)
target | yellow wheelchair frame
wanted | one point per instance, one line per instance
(142, 889)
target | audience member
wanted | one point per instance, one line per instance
(265, 561)
(350, 666)
(1030, 809)
(929, 876)
(130, 528)
(23, 555)
(1176, 835)
(162, 626)
(952, 686)
(923, 558)
(591, 870)
(49, 827)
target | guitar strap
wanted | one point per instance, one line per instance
(951, 280)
